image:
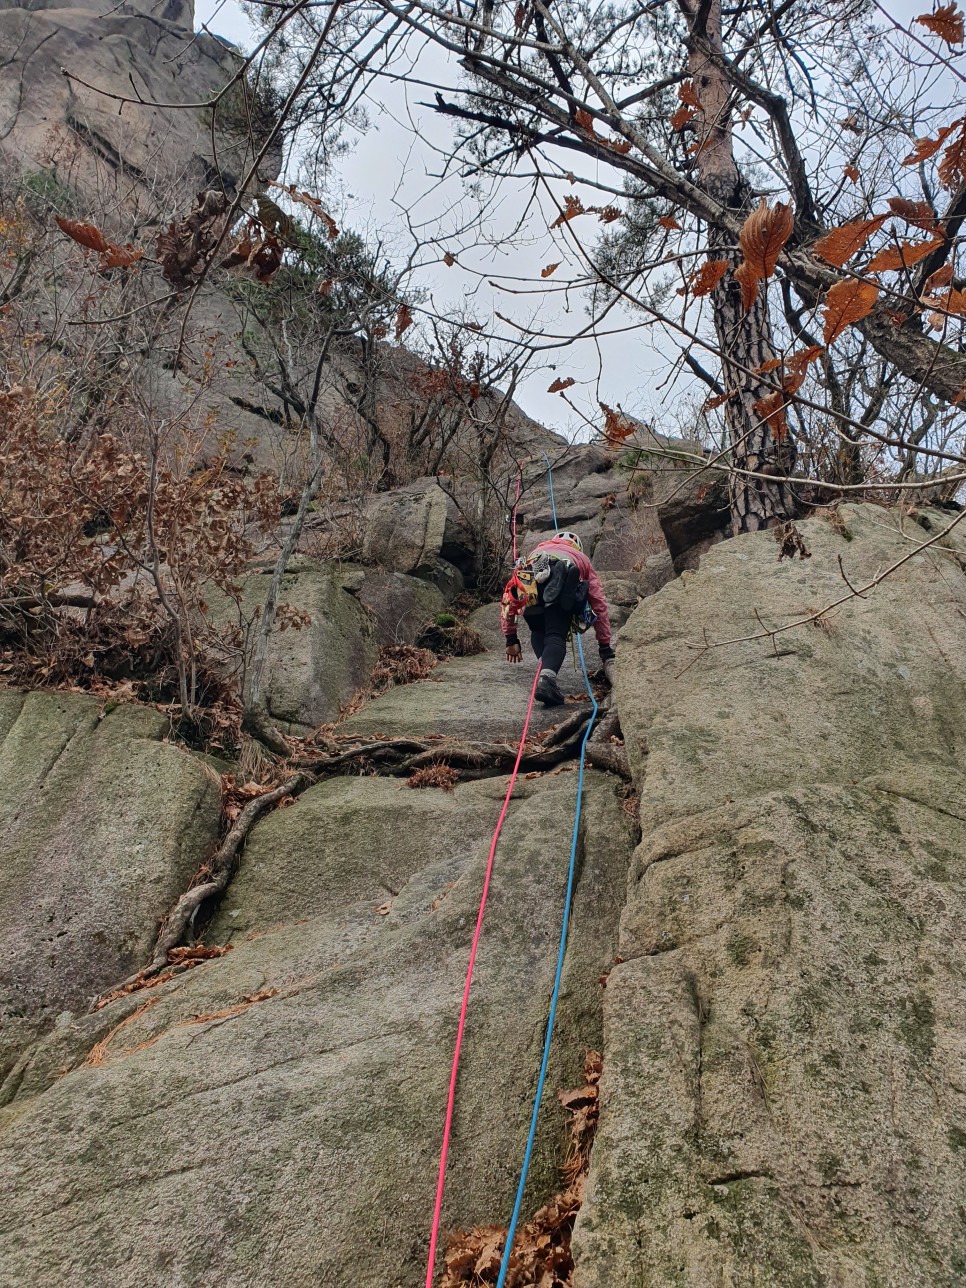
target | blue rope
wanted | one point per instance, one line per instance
(508, 1247)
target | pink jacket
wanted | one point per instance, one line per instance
(595, 591)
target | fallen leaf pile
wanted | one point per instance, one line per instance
(541, 1256)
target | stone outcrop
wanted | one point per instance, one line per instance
(774, 972)
(783, 1094)
(102, 824)
(141, 157)
(275, 1116)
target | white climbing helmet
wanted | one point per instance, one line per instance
(571, 538)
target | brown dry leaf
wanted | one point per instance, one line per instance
(762, 236)
(449, 259)
(681, 117)
(86, 235)
(550, 269)
(670, 223)
(851, 172)
(892, 258)
(573, 207)
(923, 149)
(119, 257)
(954, 301)
(918, 213)
(620, 146)
(839, 245)
(688, 94)
(942, 277)
(404, 320)
(804, 358)
(617, 426)
(704, 279)
(716, 400)
(845, 303)
(946, 21)
(952, 166)
(312, 203)
(772, 364)
(559, 385)
(748, 280)
(771, 408)
(584, 120)
(607, 214)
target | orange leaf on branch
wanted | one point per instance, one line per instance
(559, 385)
(946, 22)
(688, 94)
(617, 426)
(573, 207)
(312, 203)
(893, 258)
(771, 408)
(839, 244)
(923, 149)
(86, 235)
(404, 320)
(704, 279)
(851, 172)
(683, 116)
(761, 239)
(942, 277)
(670, 223)
(847, 302)
(952, 164)
(550, 269)
(918, 213)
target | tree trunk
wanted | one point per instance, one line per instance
(744, 338)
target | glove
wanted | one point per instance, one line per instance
(608, 656)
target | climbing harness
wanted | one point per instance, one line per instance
(448, 1123)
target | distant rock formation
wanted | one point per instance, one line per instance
(136, 157)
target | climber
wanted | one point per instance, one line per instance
(556, 589)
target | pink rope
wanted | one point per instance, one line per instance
(437, 1211)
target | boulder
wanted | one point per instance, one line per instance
(275, 1116)
(405, 528)
(312, 669)
(782, 1099)
(103, 823)
(400, 606)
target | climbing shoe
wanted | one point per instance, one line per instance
(548, 691)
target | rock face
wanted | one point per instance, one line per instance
(783, 1095)
(275, 1116)
(102, 826)
(52, 124)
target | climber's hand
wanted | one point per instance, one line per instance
(607, 656)
(513, 652)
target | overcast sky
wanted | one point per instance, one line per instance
(389, 177)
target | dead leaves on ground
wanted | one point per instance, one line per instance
(541, 1256)
(442, 776)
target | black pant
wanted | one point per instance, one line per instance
(549, 627)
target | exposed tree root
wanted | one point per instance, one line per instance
(398, 757)
(402, 757)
